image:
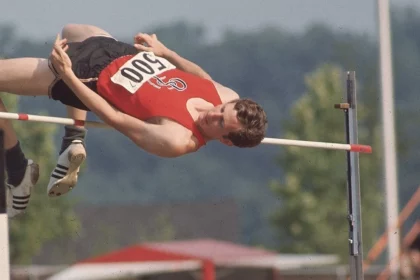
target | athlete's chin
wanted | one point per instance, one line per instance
(199, 122)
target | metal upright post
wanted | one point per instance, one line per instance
(353, 184)
(353, 180)
(4, 223)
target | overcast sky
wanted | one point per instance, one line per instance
(44, 18)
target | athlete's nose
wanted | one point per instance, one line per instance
(214, 115)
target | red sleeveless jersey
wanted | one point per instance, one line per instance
(145, 86)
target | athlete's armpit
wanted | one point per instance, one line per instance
(156, 139)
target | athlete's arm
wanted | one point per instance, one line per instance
(186, 65)
(155, 139)
(90, 99)
(159, 49)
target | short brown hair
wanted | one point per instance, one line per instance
(254, 121)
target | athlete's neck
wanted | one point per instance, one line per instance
(205, 136)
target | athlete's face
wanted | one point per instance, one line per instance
(218, 121)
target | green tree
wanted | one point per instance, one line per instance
(313, 193)
(45, 218)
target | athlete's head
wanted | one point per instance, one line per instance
(240, 122)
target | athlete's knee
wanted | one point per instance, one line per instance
(69, 29)
(74, 32)
(78, 32)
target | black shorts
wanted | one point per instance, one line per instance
(88, 59)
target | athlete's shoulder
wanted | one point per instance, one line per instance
(226, 94)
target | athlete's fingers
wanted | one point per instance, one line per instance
(53, 56)
(57, 48)
(140, 36)
(146, 38)
(60, 52)
(141, 47)
(56, 56)
(139, 39)
(60, 42)
(64, 45)
(141, 42)
(63, 42)
(57, 38)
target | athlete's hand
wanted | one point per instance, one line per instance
(150, 43)
(59, 58)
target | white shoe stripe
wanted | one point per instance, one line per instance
(20, 202)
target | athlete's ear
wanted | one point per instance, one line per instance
(225, 140)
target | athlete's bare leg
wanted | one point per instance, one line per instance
(25, 76)
(22, 76)
(22, 173)
(72, 152)
(79, 33)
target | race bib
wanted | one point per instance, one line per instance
(140, 69)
